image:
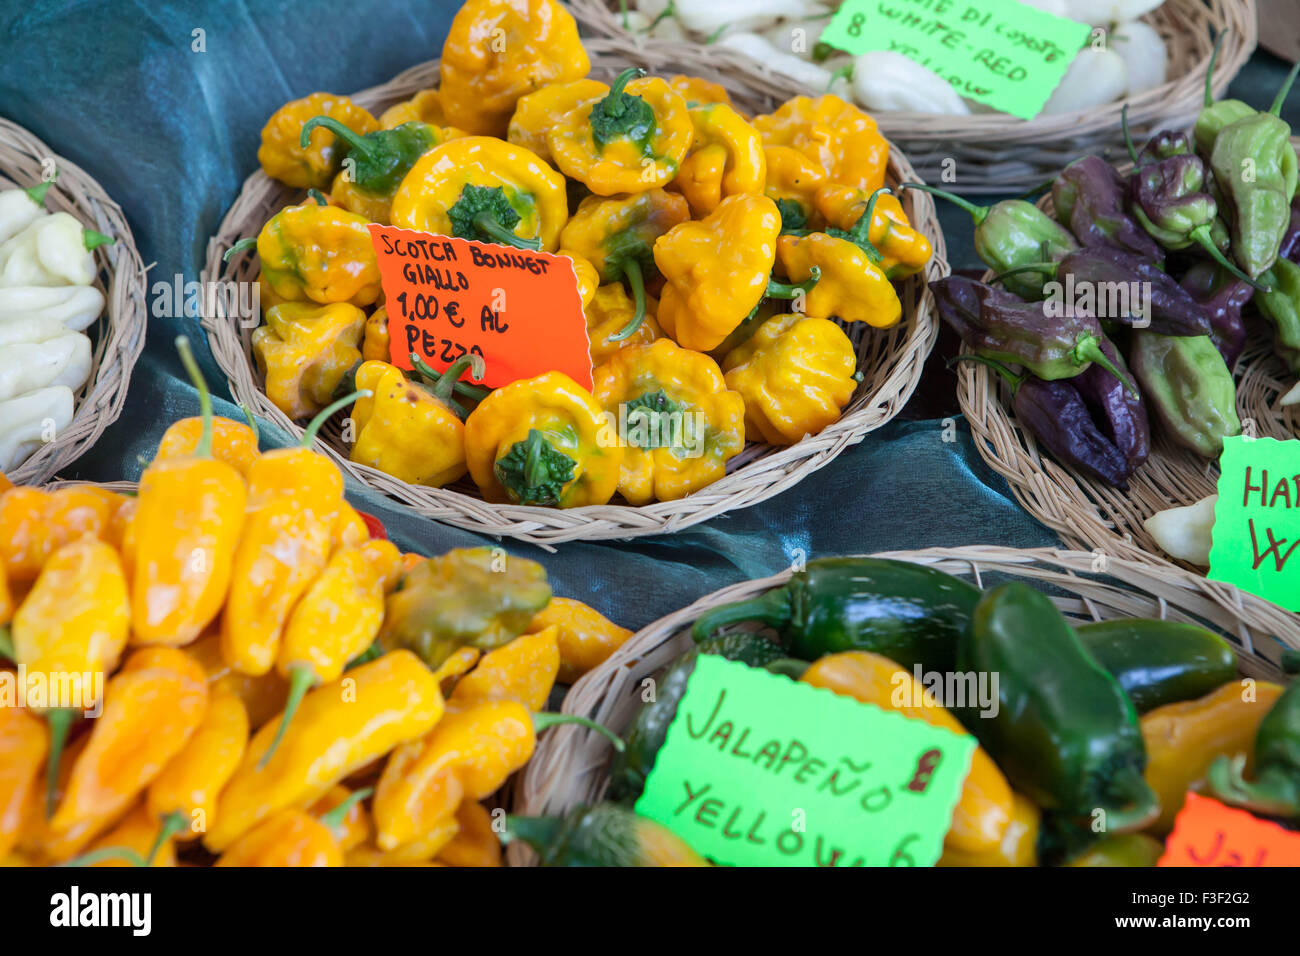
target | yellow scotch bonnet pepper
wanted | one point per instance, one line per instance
(423, 107)
(793, 182)
(726, 158)
(875, 222)
(844, 141)
(303, 352)
(851, 286)
(610, 312)
(536, 112)
(313, 166)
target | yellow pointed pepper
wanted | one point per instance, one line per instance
(232, 442)
(585, 639)
(522, 670)
(192, 779)
(23, 744)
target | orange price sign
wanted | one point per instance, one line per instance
(1207, 833)
(518, 309)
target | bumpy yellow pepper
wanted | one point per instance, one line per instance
(586, 274)
(633, 139)
(321, 253)
(851, 286)
(424, 107)
(536, 112)
(585, 636)
(375, 338)
(726, 158)
(500, 50)
(611, 311)
(844, 141)
(696, 90)
(283, 157)
(679, 420)
(304, 350)
(522, 670)
(376, 165)
(717, 268)
(796, 374)
(903, 251)
(793, 182)
(539, 441)
(485, 189)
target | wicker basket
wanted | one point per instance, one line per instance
(117, 335)
(891, 361)
(570, 765)
(1089, 514)
(996, 153)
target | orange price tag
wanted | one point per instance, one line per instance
(1207, 833)
(520, 310)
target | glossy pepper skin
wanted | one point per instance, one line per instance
(695, 89)
(1275, 787)
(880, 227)
(468, 597)
(535, 112)
(263, 697)
(909, 613)
(304, 350)
(1058, 416)
(138, 834)
(1188, 386)
(232, 442)
(35, 523)
(1184, 739)
(282, 154)
(683, 424)
(633, 139)
(481, 188)
(1126, 849)
(1159, 662)
(424, 107)
(1281, 306)
(726, 158)
(476, 842)
(1065, 734)
(537, 442)
(610, 312)
(717, 270)
(375, 337)
(602, 835)
(1223, 297)
(523, 670)
(795, 374)
(24, 743)
(585, 637)
(288, 837)
(497, 51)
(1088, 198)
(794, 182)
(1018, 846)
(984, 809)
(191, 780)
(389, 701)
(1118, 406)
(837, 136)
(851, 286)
(319, 253)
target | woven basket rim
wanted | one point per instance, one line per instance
(761, 472)
(1000, 153)
(118, 334)
(570, 765)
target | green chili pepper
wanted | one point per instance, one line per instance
(1189, 386)
(1160, 662)
(382, 158)
(1281, 307)
(1215, 116)
(605, 834)
(1276, 787)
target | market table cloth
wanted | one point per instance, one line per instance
(163, 103)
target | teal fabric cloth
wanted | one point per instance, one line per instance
(163, 104)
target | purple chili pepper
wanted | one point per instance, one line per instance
(1089, 198)
(1124, 412)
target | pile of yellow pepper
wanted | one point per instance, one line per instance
(271, 681)
(713, 253)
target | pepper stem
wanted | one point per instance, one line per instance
(632, 272)
(1047, 268)
(978, 213)
(301, 679)
(1201, 236)
(92, 240)
(487, 224)
(1139, 804)
(6, 645)
(1284, 92)
(542, 721)
(357, 143)
(252, 423)
(106, 853)
(38, 192)
(59, 722)
(792, 290)
(445, 382)
(869, 214)
(1128, 139)
(1209, 71)
(172, 824)
(248, 242)
(1010, 377)
(334, 819)
(790, 667)
(1272, 793)
(772, 609)
(1087, 348)
(319, 196)
(622, 80)
(204, 448)
(319, 421)
(537, 832)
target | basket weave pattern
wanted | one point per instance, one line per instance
(891, 360)
(117, 336)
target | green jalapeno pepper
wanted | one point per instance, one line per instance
(1159, 662)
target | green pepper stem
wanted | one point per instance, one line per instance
(334, 818)
(38, 192)
(301, 679)
(248, 242)
(537, 832)
(1209, 71)
(92, 240)
(357, 143)
(622, 80)
(488, 225)
(1139, 804)
(845, 72)
(106, 853)
(6, 645)
(622, 9)
(1047, 268)
(632, 272)
(59, 721)
(1284, 92)
(1271, 793)
(541, 721)
(1201, 236)
(475, 393)
(1128, 138)
(772, 609)
(1010, 377)
(978, 213)
(319, 421)
(252, 423)
(790, 667)
(792, 290)
(1087, 348)
(445, 383)
(172, 824)
(204, 448)
(319, 196)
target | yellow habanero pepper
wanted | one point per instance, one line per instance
(233, 442)
(304, 350)
(1182, 739)
(538, 441)
(844, 141)
(851, 286)
(408, 430)
(141, 837)
(718, 269)
(610, 312)
(795, 374)
(188, 786)
(1018, 846)
(523, 670)
(284, 158)
(903, 251)
(618, 236)
(585, 273)
(485, 189)
(633, 139)
(375, 338)
(793, 182)
(352, 828)
(680, 422)
(983, 812)
(586, 637)
(35, 523)
(288, 837)
(500, 50)
(23, 744)
(263, 696)
(475, 842)
(698, 91)
(535, 112)
(726, 158)
(423, 107)
(188, 518)
(340, 728)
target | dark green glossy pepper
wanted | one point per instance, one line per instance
(1010, 234)
(1276, 787)
(649, 729)
(1188, 385)
(605, 834)
(1281, 307)
(1065, 734)
(1160, 662)
(910, 613)
(382, 158)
